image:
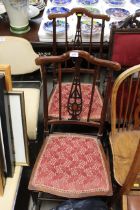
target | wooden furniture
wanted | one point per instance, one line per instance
(32, 35)
(130, 190)
(73, 164)
(84, 38)
(125, 135)
(125, 42)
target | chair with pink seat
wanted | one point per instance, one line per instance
(73, 164)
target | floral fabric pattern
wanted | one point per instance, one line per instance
(96, 109)
(71, 165)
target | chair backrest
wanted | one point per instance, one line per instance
(125, 42)
(83, 102)
(125, 136)
(19, 54)
(87, 29)
(125, 101)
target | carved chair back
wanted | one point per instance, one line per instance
(125, 42)
(87, 28)
(76, 102)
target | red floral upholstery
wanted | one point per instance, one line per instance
(86, 94)
(71, 165)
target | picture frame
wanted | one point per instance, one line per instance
(2, 175)
(18, 124)
(6, 70)
(6, 136)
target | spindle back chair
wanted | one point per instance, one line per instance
(87, 28)
(125, 134)
(73, 164)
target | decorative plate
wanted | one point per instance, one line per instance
(136, 2)
(60, 26)
(60, 2)
(115, 2)
(86, 27)
(93, 10)
(88, 2)
(57, 10)
(116, 23)
(33, 11)
(117, 12)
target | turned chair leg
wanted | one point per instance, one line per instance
(36, 202)
(38, 206)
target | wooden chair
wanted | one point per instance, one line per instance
(73, 164)
(125, 42)
(87, 27)
(125, 136)
(19, 54)
(130, 190)
(80, 15)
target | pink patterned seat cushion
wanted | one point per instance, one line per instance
(71, 165)
(86, 94)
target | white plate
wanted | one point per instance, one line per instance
(2, 9)
(33, 11)
(60, 27)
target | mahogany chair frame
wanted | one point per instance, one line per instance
(77, 43)
(73, 110)
(42, 61)
(130, 26)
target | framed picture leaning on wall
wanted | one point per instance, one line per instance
(18, 119)
(6, 135)
(2, 175)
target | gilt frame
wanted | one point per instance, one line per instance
(6, 70)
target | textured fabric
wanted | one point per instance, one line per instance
(124, 145)
(86, 94)
(32, 98)
(126, 49)
(71, 165)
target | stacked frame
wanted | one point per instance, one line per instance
(19, 129)
(2, 175)
(6, 135)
